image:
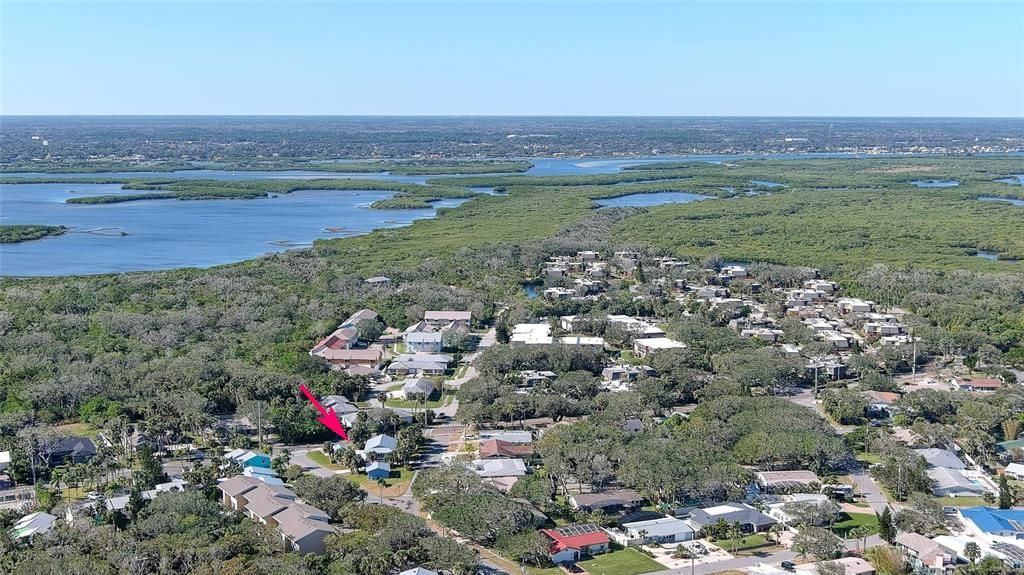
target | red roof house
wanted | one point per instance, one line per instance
(497, 448)
(341, 338)
(575, 541)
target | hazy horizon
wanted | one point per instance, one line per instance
(534, 59)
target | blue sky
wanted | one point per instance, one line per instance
(487, 57)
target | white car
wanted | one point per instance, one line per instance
(93, 496)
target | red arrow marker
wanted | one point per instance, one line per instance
(327, 416)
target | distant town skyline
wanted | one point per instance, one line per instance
(913, 59)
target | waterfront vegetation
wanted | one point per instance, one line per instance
(406, 196)
(10, 234)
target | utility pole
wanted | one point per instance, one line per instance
(913, 362)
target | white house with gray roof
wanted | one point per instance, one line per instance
(750, 519)
(941, 458)
(661, 531)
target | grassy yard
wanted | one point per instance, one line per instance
(627, 356)
(79, 429)
(622, 562)
(869, 458)
(396, 484)
(321, 459)
(544, 571)
(848, 521)
(962, 501)
(752, 541)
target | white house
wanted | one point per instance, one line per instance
(33, 524)
(419, 387)
(1015, 470)
(424, 342)
(663, 530)
(643, 346)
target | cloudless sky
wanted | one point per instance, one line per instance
(488, 57)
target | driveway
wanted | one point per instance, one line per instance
(744, 562)
(869, 489)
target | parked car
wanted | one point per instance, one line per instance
(788, 565)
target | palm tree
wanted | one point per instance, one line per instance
(349, 457)
(972, 552)
(860, 533)
(735, 531)
(381, 483)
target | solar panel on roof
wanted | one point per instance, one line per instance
(1012, 552)
(574, 530)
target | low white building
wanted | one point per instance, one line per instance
(643, 346)
(664, 530)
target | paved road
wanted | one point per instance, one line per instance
(871, 492)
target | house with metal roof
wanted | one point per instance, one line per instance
(379, 446)
(378, 470)
(494, 468)
(33, 524)
(941, 458)
(508, 436)
(948, 482)
(661, 531)
(991, 521)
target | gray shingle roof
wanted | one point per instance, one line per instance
(941, 458)
(730, 513)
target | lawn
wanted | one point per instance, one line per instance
(851, 520)
(622, 562)
(321, 459)
(397, 484)
(962, 501)
(752, 541)
(79, 429)
(869, 458)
